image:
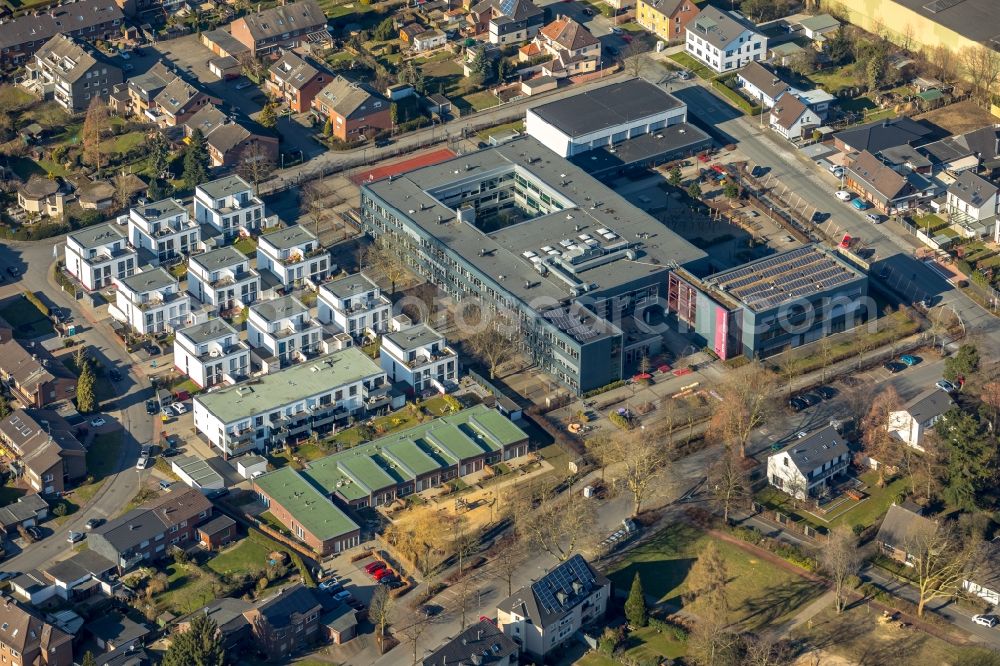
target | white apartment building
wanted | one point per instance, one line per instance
(723, 41)
(972, 199)
(211, 353)
(284, 329)
(919, 416)
(420, 357)
(96, 255)
(229, 205)
(223, 279)
(355, 305)
(152, 302)
(266, 411)
(164, 228)
(293, 255)
(807, 466)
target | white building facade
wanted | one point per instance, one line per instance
(152, 302)
(420, 357)
(164, 228)
(229, 205)
(723, 41)
(294, 255)
(355, 305)
(211, 353)
(97, 255)
(223, 279)
(284, 329)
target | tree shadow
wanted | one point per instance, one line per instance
(864, 645)
(776, 602)
(659, 578)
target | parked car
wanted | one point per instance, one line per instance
(372, 567)
(874, 218)
(861, 204)
(7, 575)
(986, 620)
(797, 404)
(165, 484)
(846, 241)
(331, 586)
(94, 522)
(152, 408)
(381, 573)
(684, 75)
(146, 451)
(97, 422)
(909, 359)
(75, 537)
(243, 85)
(810, 399)
(34, 533)
(430, 610)
(179, 408)
(825, 392)
(343, 595)
(947, 386)
(844, 195)
(142, 463)
(893, 367)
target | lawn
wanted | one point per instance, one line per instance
(247, 246)
(929, 223)
(835, 79)
(865, 513)
(700, 69)
(760, 593)
(123, 143)
(247, 556)
(14, 97)
(102, 461)
(179, 270)
(189, 589)
(516, 126)
(481, 100)
(860, 105)
(26, 319)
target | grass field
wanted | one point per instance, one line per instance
(102, 461)
(481, 100)
(26, 319)
(247, 246)
(700, 69)
(516, 126)
(248, 556)
(189, 589)
(760, 593)
(642, 646)
(835, 79)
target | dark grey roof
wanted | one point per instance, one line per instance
(717, 27)
(672, 140)
(216, 525)
(928, 405)
(878, 136)
(31, 582)
(176, 95)
(79, 565)
(975, 19)
(901, 526)
(222, 257)
(116, 628)
(227, 613)
(130, 529)
(279, 308)
(227, 136)
(972, 189)
(72, 58)
(28, 506)
(482, 638)
(293, 70)
(985, 142)
(296, 599)
(42, 25)
(150, 83)
(905, 154)
(350, 285)
(340, 618)
(611, 105)
(764, 79)
(124, 656)
(225, 40)
(557, 593)
(206, 119)
(947, 149)
(274, 22)
(816, 449)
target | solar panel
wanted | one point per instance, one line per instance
(941, 5)
(561, 579)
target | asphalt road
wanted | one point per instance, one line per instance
(35, 260)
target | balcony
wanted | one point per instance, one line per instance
(297, 256)
(814, 479)
(426, 359)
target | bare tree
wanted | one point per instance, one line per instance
(879, 443)
(708, 579)
(634, 59)
(385, 256)
(256, 165)
(251, 65)
(747, 398)
(464, 541)
(411, 626)
(380, 608)
(764, 650)
(94, 126)
(123, 191)
(943, 59)
(712, 642)
(982, 66)
(941, 560)
(493, 345)
(728, 481)
(789, 366)
(840, 559)
(943, 321)
(637, 463)
(559, 525)
(509, 555)
(990, 395)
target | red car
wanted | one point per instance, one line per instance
(846, 243)
(381, 573)
(372, 567)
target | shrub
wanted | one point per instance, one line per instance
(605, 388)
(620, 421)
(34, 300)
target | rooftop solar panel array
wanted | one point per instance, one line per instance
(561, 579)
(573, 324)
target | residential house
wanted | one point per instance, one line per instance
(152, 302)
(47, 454)
(74, 577)
(223, 279)
(211, 353)
(667, 19)
(33, 377)
(904, 533)
(355, 305)
(71, 72)
(98, 194)
(227, 613)
(784, 55)
(144, 88)
(222, 43)
(164, 228)
(542, 616)
(296, 81)
(428, 40)
(408, 31)
(217, 533)
(355, 111)
(791, 118)
(31, 587)
(290, 403)
(818, 101)
(286, 622)
(918, 416)
(91, 20)
(307, 513)
(722, 40)
(819, 27)
(114, 631)
(294, 255)
(340, 623)
(877, 136)
(418, 458)
(42, 197)
(28, 510)
(972, 199)
(178, 101)
(481, 643)
(978, 149)
(230, 206)
(984, 580)
(419, 357)
(808, 465)
(28, 640)
(282, 26)
(96, 255)
(232, 140)
(146, 533)
(507, 21)
(762, 83)
(573, 48)
(889, 191)
(283, 328)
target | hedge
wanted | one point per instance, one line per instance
(34, 300)
(737, 99)
(605, 388)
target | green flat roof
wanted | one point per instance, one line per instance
(288, 386)
(421, 449)
(307, 505)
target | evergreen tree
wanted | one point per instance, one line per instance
(328, 128)
(675, 177)
(88, 659)
(85, 398)
(384, 31)
(971, 453)
(964, 363)
(635, 606)
(198, 646)
(196, 161)
(4, 406)
(731, 190)
(157, 190)
(694, 191)
(159, 155)
(268, 116)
